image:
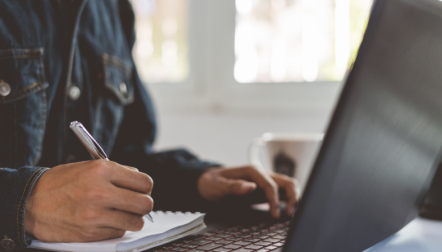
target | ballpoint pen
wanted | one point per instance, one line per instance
(92, 146)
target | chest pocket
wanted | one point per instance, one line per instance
(116, 92)
(23, 106)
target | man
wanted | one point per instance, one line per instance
(62, 61)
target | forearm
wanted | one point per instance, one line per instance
(175, 174)
(15, 187)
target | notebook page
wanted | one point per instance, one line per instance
(163, 221)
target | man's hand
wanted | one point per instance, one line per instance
(217, 183)
(88, 201)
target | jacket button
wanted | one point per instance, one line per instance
(123, 88)
(5, 88)
(74, 93)
(7, 244)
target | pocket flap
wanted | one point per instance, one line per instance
(117, 78)
(21, 73)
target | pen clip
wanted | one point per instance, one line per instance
(88, 141)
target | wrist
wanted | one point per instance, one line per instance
(29, 216)
(29, 219)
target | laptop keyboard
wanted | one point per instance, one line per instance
(259, 238)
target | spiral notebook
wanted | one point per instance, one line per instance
(167, 226)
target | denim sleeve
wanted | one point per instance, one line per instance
(175, 172)
(15, 187)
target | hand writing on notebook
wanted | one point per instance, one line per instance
(220, 182)
(88, 201)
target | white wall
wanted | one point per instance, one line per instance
(224, 136)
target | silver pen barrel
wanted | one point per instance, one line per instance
(91, 145)
(88, 141)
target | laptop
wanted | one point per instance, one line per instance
(380, 151)
(379, 155)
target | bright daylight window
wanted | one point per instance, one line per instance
(161, 47)
(297, 40)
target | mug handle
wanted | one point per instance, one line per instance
(254, 148)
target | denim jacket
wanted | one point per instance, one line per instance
(62, 61)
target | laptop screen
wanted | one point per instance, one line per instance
(384, 140)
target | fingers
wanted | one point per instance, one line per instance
(131, 168)
(111, 233)
(290, 187)
(121, 220)
(123, 176)
(235, 186)
(264, 181)
(99, 234)
(130, 201)
(133, 180)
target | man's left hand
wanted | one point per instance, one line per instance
(217, 183)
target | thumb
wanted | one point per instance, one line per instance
(238, 186)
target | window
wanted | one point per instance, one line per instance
(297, 40)
(247, 54)
(160, 51)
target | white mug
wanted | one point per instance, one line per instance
(291, 154)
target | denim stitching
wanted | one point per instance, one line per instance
(96, 128)
(117, 62)
(30, 54)
(73, 47)
(107, 83)
(40, 50)
(121, 67)
(23, 91)
(41, 170)
(14, 141)
(43, 114)
(19, 57)
(21, 53)
(124, 100)
(28, 87)
(113, 135)
(20, 94)
(21, 199)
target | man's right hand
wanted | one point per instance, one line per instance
(88, 201)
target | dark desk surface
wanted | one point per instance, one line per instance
(222, 219)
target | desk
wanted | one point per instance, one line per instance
(420, 235)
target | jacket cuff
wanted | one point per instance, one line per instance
(15, 188)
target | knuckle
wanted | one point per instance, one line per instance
(271, 185)
(132, 168)
(147, 183)
(290, 182)
(230, 187)
(90, 235)
(234, 186)
(147, 204)
(137, 223)
(88, 214)
(101, 168)
(252, 168)
(95, 194)
(118, 233)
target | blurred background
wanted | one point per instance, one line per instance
(224, 72)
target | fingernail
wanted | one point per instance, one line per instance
(276, 212)
(247, 187)
(291, 210)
